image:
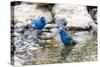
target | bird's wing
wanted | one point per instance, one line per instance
(33, 23)
(67, 37)
(36, 23)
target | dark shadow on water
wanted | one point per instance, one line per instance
(65, 52)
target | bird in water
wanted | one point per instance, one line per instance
(68, 43)
(64, 34)
(65, 37)
(39, 24)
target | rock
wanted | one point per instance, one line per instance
(75, 15)
(20, 51)
(49, 42)
(50, 26)
(29, 40)
(46, 36)
(45, 30)
(30, 33)
(19, 29)
(24, 13)
(54, 30)
(33, 48)
(17, 34)
(19, 24)
(34, 44)
(27, 32)
(17, 42)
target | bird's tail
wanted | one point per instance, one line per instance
(73, 42)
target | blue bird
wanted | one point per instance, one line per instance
(39, 24)
(67, 41)
(65, 37)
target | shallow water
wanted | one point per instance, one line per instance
(54, 52)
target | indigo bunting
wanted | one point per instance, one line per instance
(65, 37)
(39, 24)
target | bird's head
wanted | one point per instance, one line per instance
(62, 22)
(42, 19)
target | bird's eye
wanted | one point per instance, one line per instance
(43, 18)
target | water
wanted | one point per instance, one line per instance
(53, 51)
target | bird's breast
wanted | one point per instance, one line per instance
(39, 25)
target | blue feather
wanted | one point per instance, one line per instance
(66, 38)
(39, 24)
